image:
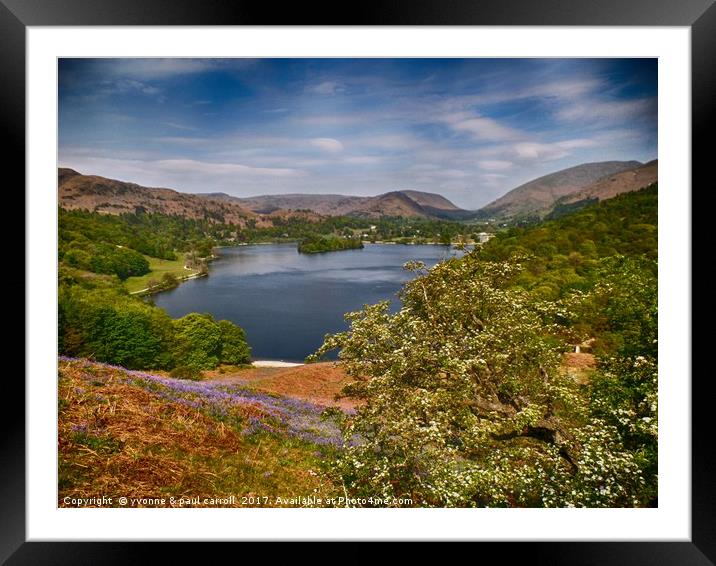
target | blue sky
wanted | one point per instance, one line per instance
(469, 129)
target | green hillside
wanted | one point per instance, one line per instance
(565, 253)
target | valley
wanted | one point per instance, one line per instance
(354, 282)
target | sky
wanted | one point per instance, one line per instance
(468, 129)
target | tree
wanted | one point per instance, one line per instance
(464, 404)
(234, 349)
(198, 341)
(169, 280)
(111, 327)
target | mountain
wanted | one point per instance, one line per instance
(406, 203)
(430, 200)
(99, 194)
(328, 205)
(613, 185)
(584, 182)
(539, 195)
(63, 174)
(395, 203)
(109, 196)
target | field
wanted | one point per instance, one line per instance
(158, 267)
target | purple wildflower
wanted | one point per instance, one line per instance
(257, 411)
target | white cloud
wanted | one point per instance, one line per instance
(564, 89)
(533, 151)
(151, 68)
(452, 173)
(327, 87)
(178, 126)
(330, 120)
(487, 129)
(126, 85)
(327, 144)
(183, 140)
(397, 141)
(363, 159)
(494, 165)
(549, 151)
(591, 110)
(208, 168)
(560, 89)
(99, 165)
(120, 87)
(496, 156)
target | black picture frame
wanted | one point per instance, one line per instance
(699, 15)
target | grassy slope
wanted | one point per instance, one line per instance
(127, 434)
(159, 267)
(317, 383)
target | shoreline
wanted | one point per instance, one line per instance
(148, 290)
(381, 243)
(275, 364)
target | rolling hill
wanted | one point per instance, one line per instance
(109, 196)
(406, 203)
(327, 205)
(539, 195)
(613, 185)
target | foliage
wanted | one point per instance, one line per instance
(110, 326)
(320, 244)
(234, 348)
(465, 406)
(203, 343)
(565, 252)
(105, 258)
(620, 311)
(197, 341)
(106, 324)
(562, 208)
(155, 235)
(624, 394)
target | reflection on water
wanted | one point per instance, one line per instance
(286, 301)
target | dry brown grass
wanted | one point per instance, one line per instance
(118, 439)
(317, 383)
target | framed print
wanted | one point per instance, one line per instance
(477, 189)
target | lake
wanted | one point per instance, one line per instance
(286, 301)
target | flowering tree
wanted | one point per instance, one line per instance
(465, 404)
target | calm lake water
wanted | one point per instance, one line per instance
(286, 301)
